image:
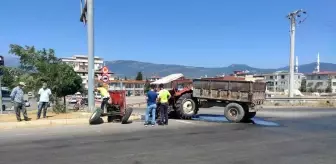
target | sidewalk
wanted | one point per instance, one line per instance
(62, 119)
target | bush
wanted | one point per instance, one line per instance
(277, 104)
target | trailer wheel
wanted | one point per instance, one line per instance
(186, 107)
(127, 115)
(95, 117)
(234, 112)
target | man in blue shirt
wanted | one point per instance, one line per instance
(151, 106)
(18, 101)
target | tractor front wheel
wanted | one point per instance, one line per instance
(127, 115)
(95, 117)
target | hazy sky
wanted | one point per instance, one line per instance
(206, 33)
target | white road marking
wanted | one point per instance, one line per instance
(186, 122)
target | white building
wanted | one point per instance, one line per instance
(80, 64)
(279, 81)
(154, 78)
(320, 81)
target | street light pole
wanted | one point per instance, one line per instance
(292, 17)
(87, 18)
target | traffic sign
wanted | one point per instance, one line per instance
(105, 70)
(105, 78)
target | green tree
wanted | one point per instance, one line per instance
(67, 82)
(147, 86)
(10, 76)
(43, 66)
(139, 76)
(303, 87)
(329, 89)
(8, 79)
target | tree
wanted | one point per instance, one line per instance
(10, 76)
(147, 86)
(303, 87)
(8, 79)
(139, 76)
(329, 89)
(125, 78)
(43, 66)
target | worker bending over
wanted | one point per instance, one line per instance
(105, 96)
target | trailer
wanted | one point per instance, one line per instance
(240, 99)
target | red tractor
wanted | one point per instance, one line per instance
(181, 104)
(239, 98)
(115, 109)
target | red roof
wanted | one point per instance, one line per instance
(230, 78)
(324, 73)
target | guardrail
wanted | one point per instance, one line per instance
(299, 99)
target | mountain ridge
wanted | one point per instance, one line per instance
(129, 68)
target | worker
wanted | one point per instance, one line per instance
(151, 106)
(164, 96)
(17, 97)
(105, 96)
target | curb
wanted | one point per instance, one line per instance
(58, 122)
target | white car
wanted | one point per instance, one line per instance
(30, 94)
(27, 103)
(72, 100)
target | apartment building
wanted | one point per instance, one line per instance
(248, 76)
(321, 81)
(154, 78)
(80, 65)
(279, 81)
(132, 87)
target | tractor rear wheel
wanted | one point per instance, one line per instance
(186, 107)
(127, 115)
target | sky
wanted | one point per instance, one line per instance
(207, 33)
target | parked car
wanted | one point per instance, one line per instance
(72, 100)
(27, 103)
(30, 94)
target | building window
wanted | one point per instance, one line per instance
(271, 77)
(318, 77)
(334, 83)
(282, 76)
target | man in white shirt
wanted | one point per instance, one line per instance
(44, 95)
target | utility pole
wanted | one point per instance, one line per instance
(293, 20)
(87, 19)
(2, 64)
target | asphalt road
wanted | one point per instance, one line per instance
(298, 139)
